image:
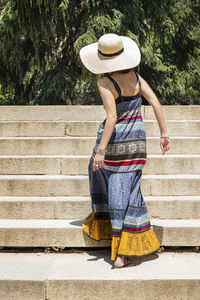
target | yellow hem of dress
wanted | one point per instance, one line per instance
(128, 244)
(134, 244)
(97, 229)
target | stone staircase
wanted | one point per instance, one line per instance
(44, 191)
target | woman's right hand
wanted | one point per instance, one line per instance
(164, 144)
(98, 162)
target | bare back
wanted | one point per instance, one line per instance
(127, 82)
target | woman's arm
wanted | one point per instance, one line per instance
(110, 107)
(153, 100)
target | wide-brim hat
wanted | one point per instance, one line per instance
(111, 53)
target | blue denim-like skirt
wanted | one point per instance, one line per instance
(119, 213)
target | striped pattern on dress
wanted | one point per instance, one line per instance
(126, 149)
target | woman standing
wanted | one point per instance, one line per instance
(119, 155)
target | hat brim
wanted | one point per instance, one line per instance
(97, 63)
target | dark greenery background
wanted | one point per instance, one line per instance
(40, 42)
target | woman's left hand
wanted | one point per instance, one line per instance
(164, 144)
(98, 162)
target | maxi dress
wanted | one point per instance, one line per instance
(118, 209)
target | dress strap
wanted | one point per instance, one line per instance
(138, 80)
(116, 85)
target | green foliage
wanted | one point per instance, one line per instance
(6, 97)
(40, 42)
(50, 88)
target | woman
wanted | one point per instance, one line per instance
(119, 155)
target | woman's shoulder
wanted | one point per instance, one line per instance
(105, 82)
(102, 80)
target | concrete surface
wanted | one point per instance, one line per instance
(69, 233)
(84, 145)
(88, 112)
(71, 208)
(66, 185)
(89, 128)
(91, 276)
(78, 164)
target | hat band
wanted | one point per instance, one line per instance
(111, 54)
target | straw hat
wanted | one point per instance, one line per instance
(111, 53)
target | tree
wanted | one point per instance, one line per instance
(40, 43)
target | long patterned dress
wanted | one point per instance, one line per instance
(119, 211)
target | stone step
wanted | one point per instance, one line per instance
(89, 275)
(174, 112)
(78, 164)
(32, 128)
(89, 128)
(159, 207)
(67, 185)
(52, 113)
(174, 128)
(88, 112)
(84, 145)
(69, 233)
